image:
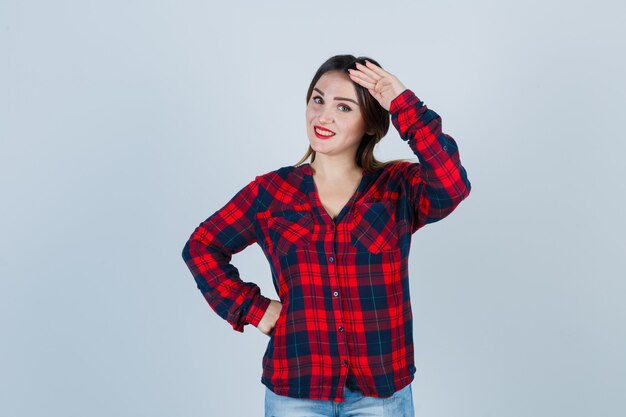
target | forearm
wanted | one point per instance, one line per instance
(439, 182)
(208, 253)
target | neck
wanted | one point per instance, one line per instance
(335, 168)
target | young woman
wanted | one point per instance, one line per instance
(336, 232)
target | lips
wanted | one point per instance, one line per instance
(323, 133)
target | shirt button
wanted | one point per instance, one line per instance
(345, 362)
(445, 148)
(341, 328)
(331, 259)
(336, 293)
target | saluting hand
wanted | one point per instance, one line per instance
(383, 86)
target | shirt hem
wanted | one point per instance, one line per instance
(316, 395)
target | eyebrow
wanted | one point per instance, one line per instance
(336, 98)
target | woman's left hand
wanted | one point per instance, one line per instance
(383, 86)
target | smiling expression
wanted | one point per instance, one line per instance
(333, 115)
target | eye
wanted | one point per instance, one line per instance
(344, 108)
(318, 100)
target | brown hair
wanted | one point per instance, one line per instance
(375, 116)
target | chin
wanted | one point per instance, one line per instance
(319, 149)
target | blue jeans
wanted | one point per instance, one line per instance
(400, 404)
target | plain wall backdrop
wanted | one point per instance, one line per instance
(124, 124)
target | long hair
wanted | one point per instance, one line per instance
(375, 116)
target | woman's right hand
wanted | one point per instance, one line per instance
(268, 321)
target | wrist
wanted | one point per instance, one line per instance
(403, 100)
(257, 310)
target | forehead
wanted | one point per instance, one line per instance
(335, 83)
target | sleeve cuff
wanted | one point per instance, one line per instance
(406, 99)
(257, 310)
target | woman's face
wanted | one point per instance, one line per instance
(333, 116)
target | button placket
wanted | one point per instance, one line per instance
(337, 307)
(331, 228)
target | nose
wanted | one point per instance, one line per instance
(325, 116)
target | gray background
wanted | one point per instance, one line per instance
(124, 124)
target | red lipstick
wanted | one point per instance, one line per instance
(317, 129)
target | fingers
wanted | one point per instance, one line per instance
(362, 79)
(369, 72)
(376, 69)
(373, 70)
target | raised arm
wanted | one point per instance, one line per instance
(209, 250)
(438, 183)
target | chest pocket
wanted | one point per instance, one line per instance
(375, 227)
(290, 229)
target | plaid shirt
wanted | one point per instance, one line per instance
(344, 285)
